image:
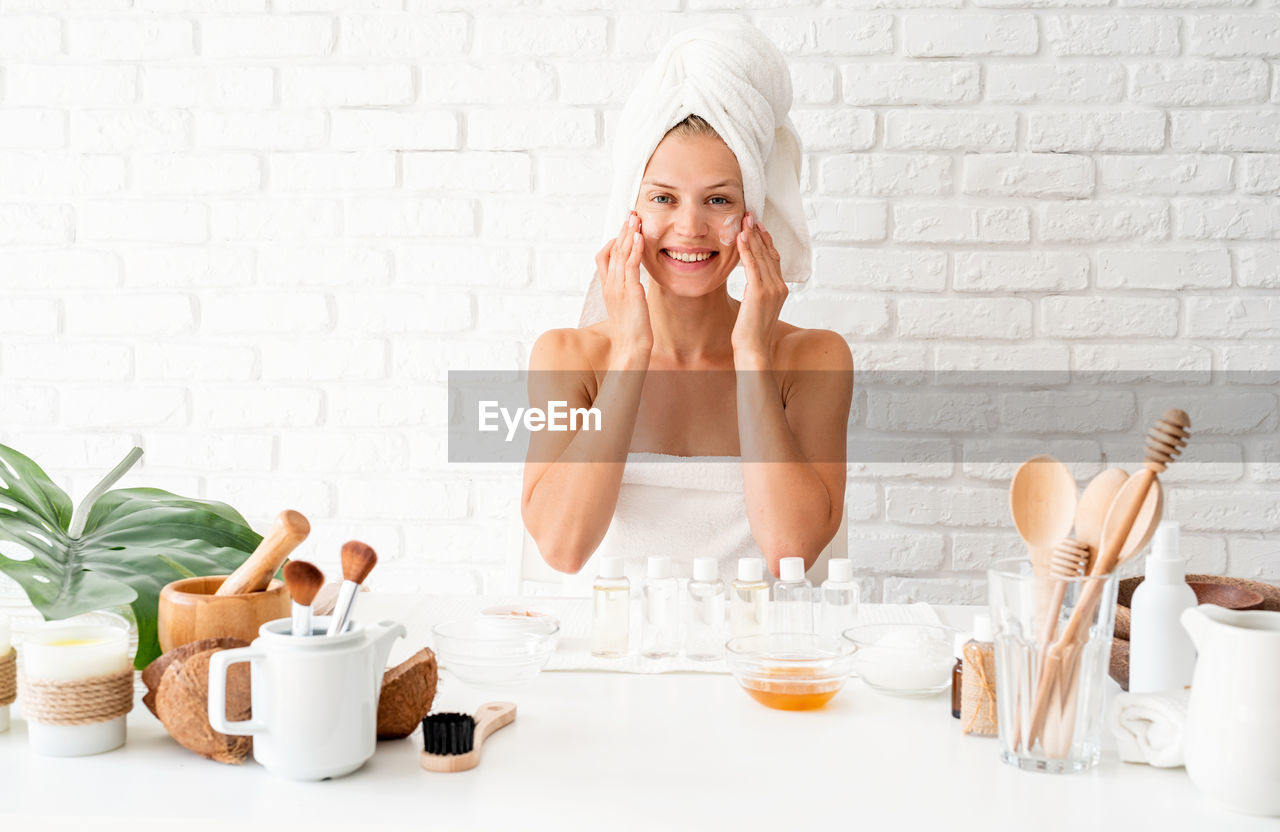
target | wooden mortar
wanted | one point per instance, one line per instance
(189, 611)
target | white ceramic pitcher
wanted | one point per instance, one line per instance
(315, 698)
(1232, 740)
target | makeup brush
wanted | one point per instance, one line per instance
(358, 560)
(452, 742)
(304, 581)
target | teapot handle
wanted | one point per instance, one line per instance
(218, 664)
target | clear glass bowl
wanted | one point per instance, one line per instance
(790, 671)
(904, 659)
(495, 650)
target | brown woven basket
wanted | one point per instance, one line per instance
(1206, 593)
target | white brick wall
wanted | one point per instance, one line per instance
(255, 236)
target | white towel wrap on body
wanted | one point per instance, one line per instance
(736, 79)
(683, 507)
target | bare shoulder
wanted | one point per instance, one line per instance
(811, 349)
(570, 349)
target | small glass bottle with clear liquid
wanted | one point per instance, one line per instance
(838, 598)
(792, 599)
(749, 600)
(610, 611)
(660, 606)
(704, 620)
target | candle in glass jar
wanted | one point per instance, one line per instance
(5, 647)
(66, 654)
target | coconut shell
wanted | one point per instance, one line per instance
(182, 703)
(407, 692)
(154, 672)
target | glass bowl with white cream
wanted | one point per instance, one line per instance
(903, 659)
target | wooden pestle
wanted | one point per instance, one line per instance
(254, 575)
(1140, 495)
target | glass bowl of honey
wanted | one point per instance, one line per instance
(790, 671)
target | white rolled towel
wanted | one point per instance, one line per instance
(732, 76)
(1149, 727)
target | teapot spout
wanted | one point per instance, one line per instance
(1206, 621)
(382, 635)
(1196, 623)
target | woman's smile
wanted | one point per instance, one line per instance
(688, 260)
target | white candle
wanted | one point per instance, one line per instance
(64, 654)
(5, 645)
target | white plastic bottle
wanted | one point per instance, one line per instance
(1161, 655)
(838, 598)
(610, 611)
(660, 605)
(749, 600)
(792, 599)
(704, 620)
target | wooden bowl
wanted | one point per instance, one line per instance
(1227, 595)
(1232, 593)
(189, 611)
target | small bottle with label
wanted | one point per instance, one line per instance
(704, 622)
(660, 605)
(792, 599)
(978, 713)
(838, 598)
(749, 600)
(610, 611)
(957, 672)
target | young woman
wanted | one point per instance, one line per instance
(683, 373)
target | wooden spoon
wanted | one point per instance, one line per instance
(1094, 504)
(1131, 521)
(1042, 499)
(1073, 556)
(254, 575)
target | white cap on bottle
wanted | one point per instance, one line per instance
(706, 569)
(750, 570)
(658, 566)
(840, 570)
(1165, 563)
(982, 628)
(791, 569)
(957, 645)
(611, 568)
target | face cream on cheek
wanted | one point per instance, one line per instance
(729, 229)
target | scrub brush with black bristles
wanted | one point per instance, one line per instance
(452, 742)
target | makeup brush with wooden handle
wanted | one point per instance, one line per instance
(358, 560)
(304, 581)
(254, 575)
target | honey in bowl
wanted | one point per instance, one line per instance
(792, 688)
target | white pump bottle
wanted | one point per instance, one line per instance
(1161, 655)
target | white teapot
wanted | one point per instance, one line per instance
(1232, 740)
(315, 698)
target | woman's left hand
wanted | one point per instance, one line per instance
(765, 293)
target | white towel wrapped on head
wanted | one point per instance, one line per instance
(1149, 727)
(733, 77)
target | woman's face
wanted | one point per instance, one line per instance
(691, 208)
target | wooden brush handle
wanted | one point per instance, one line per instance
(254, 575)
(491, 717)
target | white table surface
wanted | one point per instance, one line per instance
(612, 751)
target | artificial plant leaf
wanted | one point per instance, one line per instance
(135, 541)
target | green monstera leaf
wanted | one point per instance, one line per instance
(120, 547)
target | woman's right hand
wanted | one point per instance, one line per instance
(618, 265)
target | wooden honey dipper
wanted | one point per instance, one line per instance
(1130, 522)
